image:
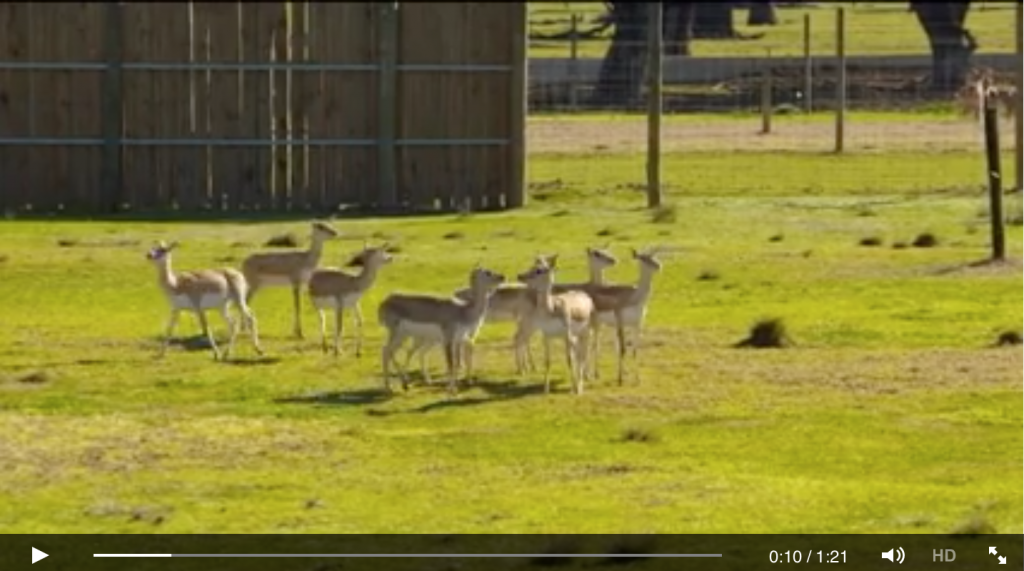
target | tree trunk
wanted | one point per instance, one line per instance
(713, 20)
(622, 70)
(678, 28)
(951, 43)
(762, 13)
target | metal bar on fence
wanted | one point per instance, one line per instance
(188, 142)
(246, 66)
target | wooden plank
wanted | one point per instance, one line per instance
(387, 108)
(458, 105)
(139, 119)
(192, 194)
(343, 33)
(46, 113)
(514, 196)
(170, 43)
(308, 110)
(82, 103)
(15, 161)
(227, 163)
(112, 110)
(263, 27)
(297, 50)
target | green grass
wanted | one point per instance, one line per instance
(872, 28)
(891, 414)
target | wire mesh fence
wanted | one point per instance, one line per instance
(767, 86)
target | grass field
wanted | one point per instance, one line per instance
(893, 412)
(873, 28)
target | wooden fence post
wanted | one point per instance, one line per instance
(766, 94)
(112, 119)
(1020, 90)
(841, 84)
(574, 56)
(808, 67)
(655, 49)
(995, 186)
(519, 101)
(387, 106)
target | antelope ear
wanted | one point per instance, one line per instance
(553, 261)
(636, 254)
(171, 246)
(385, 246)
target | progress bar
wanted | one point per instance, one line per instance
(418, 555)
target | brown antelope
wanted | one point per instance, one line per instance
(512, 301)
(625, 307)
(200, 291)
(599, 260)
(566, 315)
(332, 288)
(271, 269)
(981, 86)
(448, 321)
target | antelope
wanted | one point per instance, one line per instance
(598, 261)
(269, 269)
(625, 306)
(452, 322)
(512, 301)
(567, 315)
(200, 291)
(332, 288)
(981, 86)
(508, 303)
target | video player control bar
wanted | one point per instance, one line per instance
(412, 555)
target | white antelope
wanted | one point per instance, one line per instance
(271, 269)
(448, 321)
(200, 291)
(335, 289)
(566, 315)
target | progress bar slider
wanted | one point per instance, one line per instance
(417, 555)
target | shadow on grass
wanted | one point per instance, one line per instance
(496, 391)
(339, 398)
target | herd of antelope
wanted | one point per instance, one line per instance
(573, 313)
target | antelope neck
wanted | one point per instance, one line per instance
(164, 273)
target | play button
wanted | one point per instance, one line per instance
(38, 555)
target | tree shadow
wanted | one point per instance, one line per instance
(358, 397)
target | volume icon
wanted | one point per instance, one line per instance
(895, 558)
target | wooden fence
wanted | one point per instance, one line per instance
(261, 106)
